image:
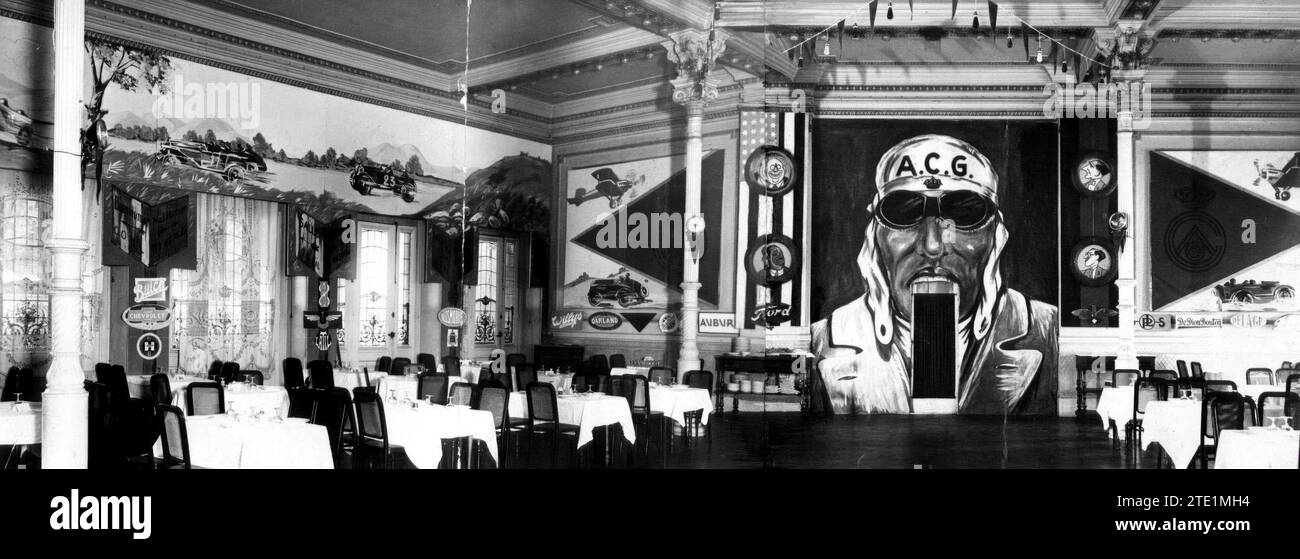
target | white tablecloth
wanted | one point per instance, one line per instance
(138, 386)
(217, 441)
(420, 430)
(267, 399)
(350, 380)
(1257, 449)
(407, 386)
(1254, 390)
(1176, 425)
(561, 381)
(675, 402)
(20, 424)
(587, 412)
(1116, 402)
(643, 371)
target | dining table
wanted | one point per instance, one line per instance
(138, 386)
(1116, 403)
(407, 386)
(1258, 448)
(20, 423)
(1176, 426)
(677, 400)
(643, 371)
(587, 410)
(562, 382)
(420, 427)
(227, 442)
(356, 378)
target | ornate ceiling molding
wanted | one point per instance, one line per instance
(608, 45)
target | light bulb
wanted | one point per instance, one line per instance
(1009, 38)
(1065, 65)
(1040, 55)
(826, 49)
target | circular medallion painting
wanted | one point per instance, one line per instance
(1093, 176)
(1093, 262)
(771, 171)
(772, 259)
(668, 323)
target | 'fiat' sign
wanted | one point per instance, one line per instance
(605, 321)
(147, 316)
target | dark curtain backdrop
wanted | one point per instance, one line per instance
(845, 154)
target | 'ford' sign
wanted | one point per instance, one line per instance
(147, 316)
(604, 321)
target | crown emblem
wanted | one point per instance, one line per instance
(1194, 198)
(933, 182)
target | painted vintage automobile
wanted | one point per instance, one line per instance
(232, 161)
(366, 177)
(15, 124)
(1252, 292)
(621, 289)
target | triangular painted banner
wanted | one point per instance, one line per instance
(871, 11)
(1205, 229)
(993, 19)
(954, 9)
(664, 264)
(639, 320)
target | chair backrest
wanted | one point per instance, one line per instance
(175, 439)
(1083, 363)
(432, 384)
(322, 374)
(1124, 377)
(254, 377)
(640, 393)
(462, 394)
(1196, 370)
(524, 376)
(302, 402)
(1182, 368)
(1220, 386)
(1285, 365)
(1275, 404)
(371, 421)
(598, 383)
(1147, 363)
(382, 364)
(514, 360)
(115, 378)
(10, 386)
(662, 375)
(205, 398)
(161, 388)
(1259, 375)
(624, 386)
(450, 365)
(102, 448)
(399, 365)
(495, 399)
(542, 403)
(214, 370)
(617, 360)
(292, 367)
(505, 378)
(1166, 374)
(699, 379)
(599, 364)
(331, 412)
(429, 360)
(1228, 411)
(578, 384)
(1293, 385)
(229, 370)
(1147, 390)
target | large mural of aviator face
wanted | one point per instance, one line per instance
(940, 215)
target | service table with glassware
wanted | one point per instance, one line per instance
(20, 423)
(587, 410)
(643, 371)
(242, 441)
(420, 426)
(674, 401)
(1262, 447)
(1176, 425)
(252, 398)
(139, 387)
(563, 382)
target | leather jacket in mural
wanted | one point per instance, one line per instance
(1000, 373)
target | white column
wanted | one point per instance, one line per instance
(1126, 353)
(63, 422)
(689, 357)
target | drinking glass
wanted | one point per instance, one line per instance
(18, 396)
(1286, 423)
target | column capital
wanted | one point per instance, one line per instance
(694, 51)
(1125, 49)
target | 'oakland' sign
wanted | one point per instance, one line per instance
(605, 321)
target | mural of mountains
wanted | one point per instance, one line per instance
(387, 153)
(513, 193)
(176, 127)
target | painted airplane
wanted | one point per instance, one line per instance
(609, 186)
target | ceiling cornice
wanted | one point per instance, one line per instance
(608, 44)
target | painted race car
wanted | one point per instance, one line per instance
(366, 177)
(1251, 292)
(16, 123)
(233, 161)
(622, 289)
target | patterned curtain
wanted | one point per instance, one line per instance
(25, 205)
(227, 308)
